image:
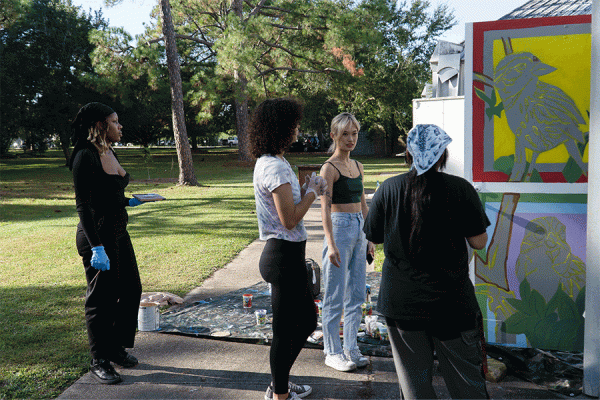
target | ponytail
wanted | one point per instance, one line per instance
(418, 198)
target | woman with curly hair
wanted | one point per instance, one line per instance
(280, 206)
(113, 281)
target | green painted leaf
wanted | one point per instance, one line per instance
(571, 171)
(505, 164)
(535, 176)
(545, 332)
(481, 94)
(520, 305)
(518, 323)
(524, 290)
(567, 309)
(553, 303)
(537, 304)
(495, 110)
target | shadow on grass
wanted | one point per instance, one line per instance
(43, 340)
(42, 325)
(23, 213)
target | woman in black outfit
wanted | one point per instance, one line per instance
(113, 282)
(425, 219)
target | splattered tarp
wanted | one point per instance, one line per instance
(225, 317)
(558, 371)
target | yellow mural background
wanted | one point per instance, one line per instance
(571, 56)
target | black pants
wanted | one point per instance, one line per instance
(112, 297)
(460, 357)
(282, 264)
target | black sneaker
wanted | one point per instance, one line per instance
(103, 372)
(124, 359)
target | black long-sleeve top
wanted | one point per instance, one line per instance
(99, 197)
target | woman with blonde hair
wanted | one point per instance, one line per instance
(343, 209)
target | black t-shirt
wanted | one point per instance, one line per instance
(433, 287)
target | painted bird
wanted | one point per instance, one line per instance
(546, 259)
(541, 116)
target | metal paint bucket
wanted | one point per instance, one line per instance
(148, 317)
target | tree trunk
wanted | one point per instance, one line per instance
(64, 145)
(241, 117)
(184, 154)
(241, 101)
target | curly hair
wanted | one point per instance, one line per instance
(272, 126)
(98, 137)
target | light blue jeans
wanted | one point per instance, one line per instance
(344, 287)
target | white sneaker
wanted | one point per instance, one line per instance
(356, 357)
(339, 362)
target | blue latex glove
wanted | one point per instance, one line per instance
(134, 202)
(100, 260)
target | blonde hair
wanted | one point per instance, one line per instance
(339, 123)
(98, 139)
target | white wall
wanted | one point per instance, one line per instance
(447, 113)
(591, 350)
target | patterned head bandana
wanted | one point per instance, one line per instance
(426, 144)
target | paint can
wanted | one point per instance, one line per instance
(261, 316)
(148, 317)
(247, 300)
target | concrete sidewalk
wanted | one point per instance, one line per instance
(182, 367)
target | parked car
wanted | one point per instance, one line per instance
(312, 143)
(230, 141)
(298, 146)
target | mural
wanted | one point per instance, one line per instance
(531, 284)
(531, 111)
(530, 126)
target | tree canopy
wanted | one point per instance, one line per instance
(369, 57)
(44, 50)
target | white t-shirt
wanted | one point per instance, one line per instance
(270, 172)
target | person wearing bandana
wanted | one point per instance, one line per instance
(426, 219)
(113, 281)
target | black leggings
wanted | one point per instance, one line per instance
(294, 315)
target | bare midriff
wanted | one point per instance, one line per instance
(346, 208)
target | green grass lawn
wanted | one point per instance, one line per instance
(178, 242)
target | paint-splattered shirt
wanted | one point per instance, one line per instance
(270, 172)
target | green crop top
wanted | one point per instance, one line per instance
(347, 190)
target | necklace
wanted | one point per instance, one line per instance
(348, 167)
